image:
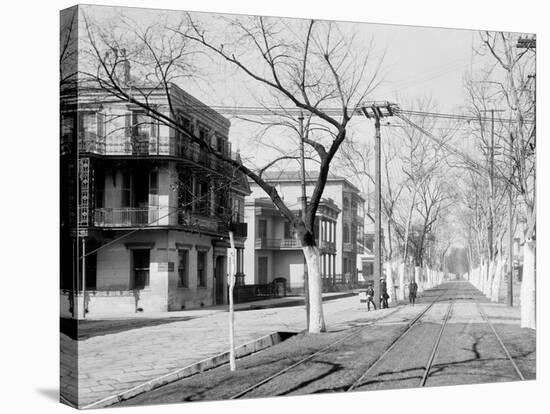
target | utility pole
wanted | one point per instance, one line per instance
(511, 229)
(304, 207)
(377, 212)
(84, 277)
(377, 111)
(231, 280)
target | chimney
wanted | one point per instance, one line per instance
(125, 78)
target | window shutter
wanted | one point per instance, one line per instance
(128, 121)
(154, 126)
(100, 125)
(134, 124)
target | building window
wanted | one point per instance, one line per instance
(203, 134)
(141, 263)
(88, 126)
(144, 127)
(346, 203)
(289, 231)
(67, 128)
(183, 270)
(185, 190)
(201, 269)
(219, 144)
(126, 190)
(262, 229)
(202, 197)
(153, 188)
(346, 233)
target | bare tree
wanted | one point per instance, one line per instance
(508, 83)
(304, 65)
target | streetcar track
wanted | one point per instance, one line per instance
(436, 345)
(410, 325)
(486, 319)
(311, 356)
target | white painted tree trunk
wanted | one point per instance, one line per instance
(401, 272)
(528, 286)
(316, 318)
(418, 278)
(490, 275)
(495, 288)
(389, 281)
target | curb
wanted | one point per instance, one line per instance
(195, 368)
(296, 302)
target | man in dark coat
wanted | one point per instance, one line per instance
(384, 293)
(370, 296)
(413, 287)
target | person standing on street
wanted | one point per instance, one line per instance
(370, 296)
(413, 287)
(384, 294)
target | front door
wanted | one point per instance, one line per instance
(262, 270)
(220, 280)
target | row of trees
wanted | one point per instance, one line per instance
(502, 99)
(418, 193)
(295, 68)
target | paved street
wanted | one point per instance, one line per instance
(156, 349)
(383, 355)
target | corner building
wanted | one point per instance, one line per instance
(146, 213)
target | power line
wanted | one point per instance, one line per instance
(250, 110)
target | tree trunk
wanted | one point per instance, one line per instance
(316, 319)
(418, 278)
(389, 281)
(528, 284)
(401, 270)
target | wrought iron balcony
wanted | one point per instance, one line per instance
(350, 247)
(144, 146)
(154, 216)
(290, 243)
(125, 217)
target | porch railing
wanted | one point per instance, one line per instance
(125, 217)
(151, 146)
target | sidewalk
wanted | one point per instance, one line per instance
(112, 363)
(252, 305)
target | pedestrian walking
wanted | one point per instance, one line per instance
(384, 294)
(413, 287)
(370, 296)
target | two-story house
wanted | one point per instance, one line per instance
(273, 251)
(145, 212)
(339, 231)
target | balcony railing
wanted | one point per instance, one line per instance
(267, 243)
(155, 216)
(350, 247)
(352, 215)
(326, 245)
(125, 217)
(151, 146)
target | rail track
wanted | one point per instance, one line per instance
(302, 361)
(341, 340)
(359, 381)
(484, 316)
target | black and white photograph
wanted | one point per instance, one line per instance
(254, 206)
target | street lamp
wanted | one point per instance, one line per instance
(377, 110)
